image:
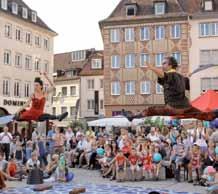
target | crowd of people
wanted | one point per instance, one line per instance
(144, 153)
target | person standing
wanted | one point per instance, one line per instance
(6, 140)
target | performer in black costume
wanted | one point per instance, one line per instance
(176, 102)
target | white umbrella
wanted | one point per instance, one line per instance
(118, 121)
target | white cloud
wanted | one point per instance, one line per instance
(76, 21)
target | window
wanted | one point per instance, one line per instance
(159, 89)
(208, 57)
(54, 111)
(17, 88)
(145, 33)
(115, 35)
(96, 64)
(101, 104)
(46, 66)
(115, 88)
(14, 8)
(159, 8)
(91, 84)
(46, 43)
(24, 12)
(64, 91)
(159, 59)
(6, 87)
(115, 61)
(4, 4)
(72, 111)
(209, 84)
(37, 64)
(7, 57)
(18, 60)
(130, 61)
(54, 92)
(101, 83)
(63, 109)
(28, 38)
(159, 32)
(37, 41)
(208, 29)
(131, 10)
(214, 29)
(27, 89)
(177, 56)
(204, 29)
(208, 5)
(130, 87)
(176, 31)
(145, 87)
(18, 34)
(91, 104)
(78, 55)
(144, 59)
(129, 34)
(73, 90)
(8, 30)
(28, 62)
(34, 16)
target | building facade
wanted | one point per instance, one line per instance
(203, 51)
(135, 34)
(67, 68)
(26, 48)
(92, 87)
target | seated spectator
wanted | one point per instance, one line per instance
(3, 163)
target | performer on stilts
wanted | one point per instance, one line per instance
(37, 103)
(176, 102)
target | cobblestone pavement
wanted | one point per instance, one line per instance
(93, 177)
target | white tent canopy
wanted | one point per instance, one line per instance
(118, 121)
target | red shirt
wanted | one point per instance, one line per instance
(133, 159)
(147, 160)
(120, 160)
(126, 149)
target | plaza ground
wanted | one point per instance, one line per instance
(93, 177)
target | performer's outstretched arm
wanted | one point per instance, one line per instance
(52, 86)
(159, 72)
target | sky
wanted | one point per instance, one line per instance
(75, 21)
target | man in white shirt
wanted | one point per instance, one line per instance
(6, 139)
(153, 135)
(68, 136)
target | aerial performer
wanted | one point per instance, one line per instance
(36, 103)
(177, 104)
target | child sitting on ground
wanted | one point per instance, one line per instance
(133, 160)
(147, 163)
(195, 162)
(120, 165)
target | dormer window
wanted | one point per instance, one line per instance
(24, 13)
(4, 4)
(14, 8)
(96, 64)
(34, 16)
(208, 5)
(131, 9)
(160, 8)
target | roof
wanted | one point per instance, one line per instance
(87, 69)
(145, 10)
(63, 61)
(21, 4)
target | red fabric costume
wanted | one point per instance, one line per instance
(35, 111)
